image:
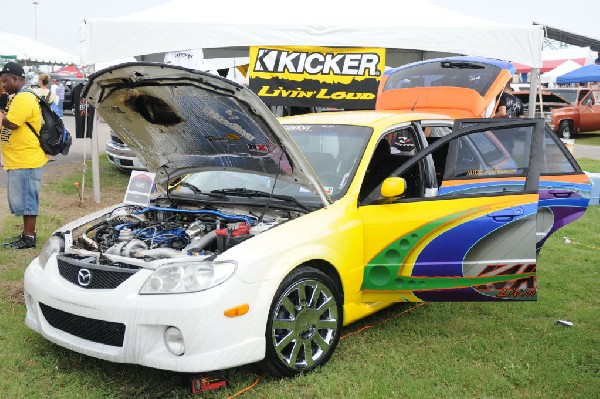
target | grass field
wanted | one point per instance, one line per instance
(588, 138)
(438, 350)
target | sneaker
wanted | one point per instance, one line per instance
(21, 242)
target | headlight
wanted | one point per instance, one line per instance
(55, 244)
(177, 278)
(548, 118)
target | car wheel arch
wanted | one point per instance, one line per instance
(566, 122)
(327, 268)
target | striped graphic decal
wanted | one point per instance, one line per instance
(565, 196)
(432, 262)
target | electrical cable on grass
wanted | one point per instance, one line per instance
(569, 241)
(255, 383)
(383, 321)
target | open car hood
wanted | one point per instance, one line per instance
(460, 87)
(181, 121)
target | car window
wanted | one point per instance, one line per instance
(471, 75)
(555, 158)
(403, 141)
(591, 99)
(568, 94)
(466, 165)
(333, 151)
(489, 153)
(393, 150)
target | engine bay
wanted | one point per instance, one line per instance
(136, 235)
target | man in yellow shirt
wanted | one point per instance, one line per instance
(21, 152)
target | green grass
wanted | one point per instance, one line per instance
(589, 165)
(439, 350)
(588, 138)
(110, 177)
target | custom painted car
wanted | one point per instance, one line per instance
(266, 236)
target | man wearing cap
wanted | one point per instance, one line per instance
(21, 152)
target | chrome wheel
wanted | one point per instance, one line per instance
(304, 325)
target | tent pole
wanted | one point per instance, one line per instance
(533, 85)
(95, 155)
(95, 160)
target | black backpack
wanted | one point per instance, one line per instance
(54, 137)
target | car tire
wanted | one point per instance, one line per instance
(304, 323)
(565, 130)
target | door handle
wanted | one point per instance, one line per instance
(561, 193)
(504, 215)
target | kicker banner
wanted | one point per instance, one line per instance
(317, 76)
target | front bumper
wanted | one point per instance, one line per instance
(123, 157)
(212, 340)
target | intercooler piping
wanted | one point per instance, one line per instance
(247, 219)
(199, 243)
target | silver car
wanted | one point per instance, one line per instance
(121, 155)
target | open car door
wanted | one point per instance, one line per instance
(564, 188)
(465, 245)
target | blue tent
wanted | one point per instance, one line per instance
(588, 73)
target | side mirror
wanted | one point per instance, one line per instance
(393, 187)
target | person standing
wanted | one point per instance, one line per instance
(3, 104)
(509, 106)
(22, 154)
(43, 89)
(60, 93)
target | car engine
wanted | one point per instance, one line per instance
(163, 232)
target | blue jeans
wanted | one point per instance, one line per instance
(61, 102)
(23, 191)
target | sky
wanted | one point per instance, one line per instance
(58, 20)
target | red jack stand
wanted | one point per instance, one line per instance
(208, 381)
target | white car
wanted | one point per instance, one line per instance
(121, 155)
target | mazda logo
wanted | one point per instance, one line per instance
(84, 277)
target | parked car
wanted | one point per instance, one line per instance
(582, 116)
(121, 155)
(568, 111)
(543, 105)
(267, 235)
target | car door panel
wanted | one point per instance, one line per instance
(467, 246)
(455, 256)
(564, 189)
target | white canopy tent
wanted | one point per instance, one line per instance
(565, 67)
(420, 31)
(421, 27)
(30, 52)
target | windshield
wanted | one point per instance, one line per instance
(467, 74)
(333, 152)
(571, 95)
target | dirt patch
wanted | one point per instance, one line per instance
(12, 291)
(71, 207)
